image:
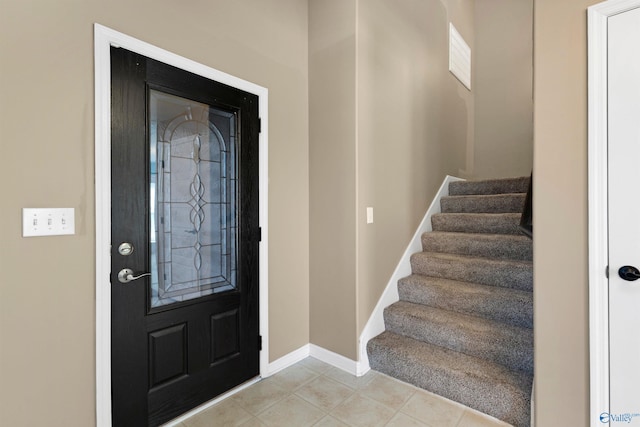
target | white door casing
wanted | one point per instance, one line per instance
(104, 38)
(606, 312)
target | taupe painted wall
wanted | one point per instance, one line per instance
(332, 171)
(47, 297)
(503, 86)
(415, 120)
(560, 213)
(47, 366)
(387, 123)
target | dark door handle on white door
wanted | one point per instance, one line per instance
(629, 273)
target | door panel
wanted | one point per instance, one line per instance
(624, 209)
(167, 354)
(185, 196)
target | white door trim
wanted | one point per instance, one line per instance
(598, 204)
(104, 38)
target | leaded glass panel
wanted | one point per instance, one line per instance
(193, 216)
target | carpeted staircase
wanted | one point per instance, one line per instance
(463, 326)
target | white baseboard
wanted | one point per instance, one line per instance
(322, 354)
(287, 360)
(375, 325)
(335, 359)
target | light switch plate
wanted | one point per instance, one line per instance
(48, 221)
(369, 215)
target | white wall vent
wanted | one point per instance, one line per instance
(459, 57)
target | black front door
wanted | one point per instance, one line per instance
(184, 269)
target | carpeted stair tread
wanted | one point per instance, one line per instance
(490, 223)
(511, 306)
(493, 203)
(463, 327)
(480, 384)
(511, 346)
(486, 271)
(490, 186)
(502, 246)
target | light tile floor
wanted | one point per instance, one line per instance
(312, 393)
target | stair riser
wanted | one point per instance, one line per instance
(503, 305)
(512, 203)
(476, 270)
(512, 247)
(503, 400)
(513, 349)
(500, 186)
(469, 223)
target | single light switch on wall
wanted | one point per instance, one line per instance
(369, 215)
(48, 222)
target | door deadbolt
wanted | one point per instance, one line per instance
(125, 248)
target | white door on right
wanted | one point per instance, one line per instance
(624, 217)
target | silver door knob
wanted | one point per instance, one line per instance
(126, 275)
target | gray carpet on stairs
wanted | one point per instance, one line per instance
(510, 306)
(493, 223)
(493, 203)
(497, 246)
(463, 326)
(504, 344)
(486, 271)
(487, 387)
(490, 186)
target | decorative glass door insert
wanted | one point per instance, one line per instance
(193, 215)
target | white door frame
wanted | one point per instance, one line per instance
(104, 38)
(598, 204)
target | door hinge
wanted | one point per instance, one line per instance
(606, 271)
(259, 125)
(259, 234)
(259, 342)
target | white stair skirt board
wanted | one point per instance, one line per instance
(375, 325)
